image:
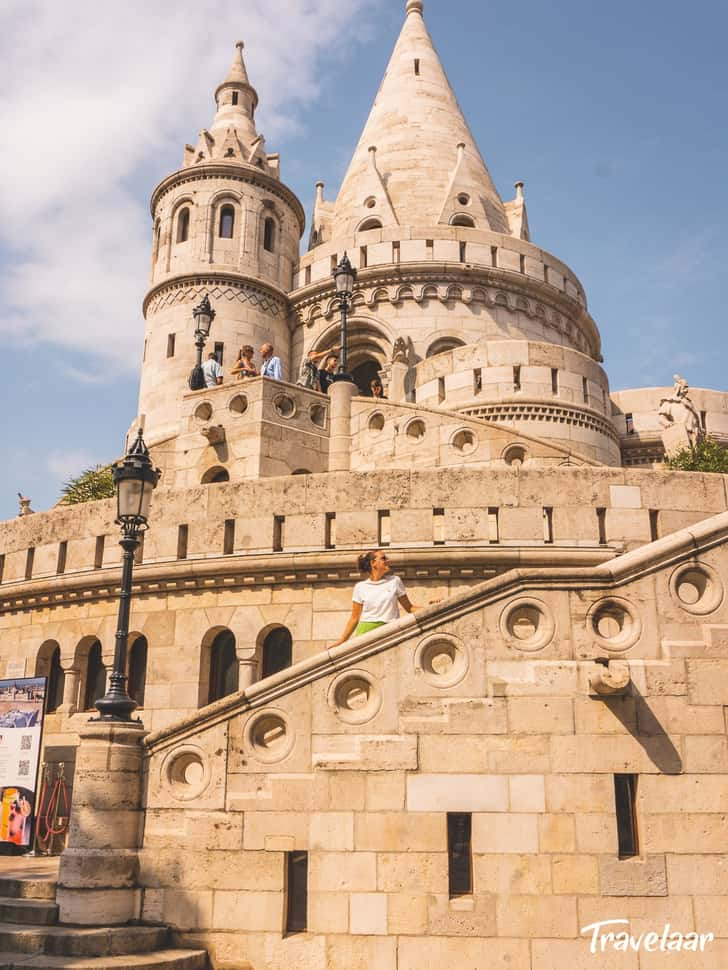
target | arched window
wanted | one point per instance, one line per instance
(95, 677)
(216, 475)
(466, 222)
(157, 240)
(442, 345)
(227, 222)
(277, 651)
(138, 670)
(183, 225)
(56, 683)
(223, 667)
(269, 235)
(370, 224)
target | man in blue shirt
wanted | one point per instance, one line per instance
(271, 366)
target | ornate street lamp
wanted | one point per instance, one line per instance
(135, 479)
(344, 279)
(204, 315)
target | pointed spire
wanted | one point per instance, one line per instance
(238, 74)
(236, 101)
(416, 124)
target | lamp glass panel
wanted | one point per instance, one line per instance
(129, 497)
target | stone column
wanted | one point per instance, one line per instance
(71, 675)
(341, 394)
(247, 671)
(97, 882)
(398, 382)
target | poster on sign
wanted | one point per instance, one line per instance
(21, 725)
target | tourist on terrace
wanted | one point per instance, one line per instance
(271, 366)
(376, 599)
(244, 366)
(309, 376)
(212, 371)
(376, 388)
(327, 374)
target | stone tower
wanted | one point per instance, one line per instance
(224, 224)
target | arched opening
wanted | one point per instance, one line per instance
(301, 471)
(269, 235)
(277, 651)
(157, 240)
(183, 225)
(370, 224)
(466, 222)
(216, 475)
(138, 670)
(227, 222)
(223, 667)
(48, 665)
(442, 345)
(364, 373)
(95, 677)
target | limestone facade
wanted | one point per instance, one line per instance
(458, 788)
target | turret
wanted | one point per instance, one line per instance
(224, 225)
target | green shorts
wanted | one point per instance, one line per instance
(363, 628)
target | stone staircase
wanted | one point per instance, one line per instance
(30, 937)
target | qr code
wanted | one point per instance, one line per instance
(26, 742)
(23, 769)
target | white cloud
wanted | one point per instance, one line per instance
(97, 102)
(69, 464)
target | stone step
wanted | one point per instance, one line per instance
(33, 912)
(82, 941)
(28, 888)
(161, 960)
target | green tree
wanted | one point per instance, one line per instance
(90, 486)
(707, 456)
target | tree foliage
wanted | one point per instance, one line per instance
(90, 486)
(707, 456)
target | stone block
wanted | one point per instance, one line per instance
(364, 752)
(575, 874)
(328, 912)
(462, 916)
(706, 754)
(347, 790)
(462, 953)
(625, 496)
(527, 916)
(494, 832)
(596, 832)
(98, 907)
(457, 793)
(579, 793)
(385, 791)
(683, 793)
(368, 914)
(685, 832)
(407, 914)
(576, 955)
(707, 681)
(541, 715)
(248, 911)
(393, 831)
(187, 909)
(360, 953)
(343, 872)
(645, 913)
(556, 833)
(332, 831)
(517, 874)
(527, 793)
(412, 872)
(633, 877)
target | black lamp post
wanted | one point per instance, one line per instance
(344, 279)
(204, 315)
(135, 479)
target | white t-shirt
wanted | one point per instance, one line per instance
(379, 600)
(212, 370)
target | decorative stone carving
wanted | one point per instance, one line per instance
(399, 351)
(678, 412)
(609, 677)
(215, 433)
(25, 508)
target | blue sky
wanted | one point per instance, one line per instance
(614, 115)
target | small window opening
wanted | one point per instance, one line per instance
(362, 257)
(585, 390)
(463, 252)
(440, 389)
(277, 651)
(430, 247)
(227, 222)
(522, 263)
(477, 380)
(139, 552)
(269, 235)
(2, 565)
(144, 352)
(29, 559)
(334, 262)
(330, 530)
(602, 523)
(95, 677)
(629, 421)
(625, 799)
(460, 854)
(228, 540)
(279, 529)
(384, 532)
(493, 528)
(654, 525)
(62, 552)
(517, 378)
(438, 527)
(183, 225)
(465, 222)
(219, 352)
(548, 525)
(307, 275)
(545, 273)
(235, 97)
(296, 892)
(99, 552)
(138, 670)
(170, 344)
(494, 256)
(395, 252)
(554, 381)
(703, 420)
(417, 66)
(183, 532)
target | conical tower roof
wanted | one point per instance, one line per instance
(237, 100)
(426, 161)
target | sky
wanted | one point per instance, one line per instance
(614, 116)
